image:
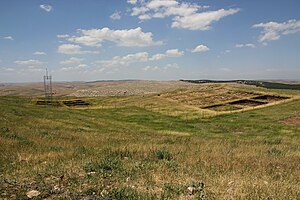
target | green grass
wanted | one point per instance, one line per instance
(134, 151)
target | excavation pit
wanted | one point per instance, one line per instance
(47, 103)
(77, 102)
(270, 98)
(247, 102)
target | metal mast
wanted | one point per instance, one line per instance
(48, 85)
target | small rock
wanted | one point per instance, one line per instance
(191, 190)
(91, 173)
(104, 193)
(56, 188)
(32, 193)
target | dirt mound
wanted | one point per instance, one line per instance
(292, 121)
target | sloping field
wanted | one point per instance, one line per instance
(151, 146)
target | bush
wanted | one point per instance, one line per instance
(163, 154)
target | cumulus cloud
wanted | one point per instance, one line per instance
(174, 53)
(77, 68)
(201, 21)
(163, 69)
(184, 15)
(200, 48)
(118, 61)
(125, 60)
(245, 45)
(132, 1)
(168, 53)
(46, 8)
(73, 49)
(125, 37)
(151, 68)
(158, 56)
(29, 62)
(274, 30)
(171, 66)
(40, 53)
(71, 61)
(116, 15)
(32, 69)
(63, 36)
(8, 38)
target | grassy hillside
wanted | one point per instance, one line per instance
(148, 148)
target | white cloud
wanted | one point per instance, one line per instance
(184, 15)
(39, 53)
(174, 53)
(63, 36)
(245, 45)
(71, 61)
(200, 48)
(132, 1)
(165, 68)
(171, 66)
(274, 30)
(151, 68)
(125, 60)
(158, 56)
(8, 38)
(77, 68)
(46, 8)
(156, 4)
(125, 37)
(116, 15)
(118, 61)
(73, 49)
(139, 11)
(32, 69)
(29, 62)
(201, 21)
(168, 53)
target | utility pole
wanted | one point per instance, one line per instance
(48, 85)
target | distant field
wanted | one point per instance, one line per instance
(291, 85)
(152, 142)
(93, 89)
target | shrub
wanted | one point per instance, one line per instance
(163, 154)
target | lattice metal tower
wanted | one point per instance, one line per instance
(48, 85)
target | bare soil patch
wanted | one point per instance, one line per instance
(292, 121)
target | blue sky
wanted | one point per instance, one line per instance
(149, 39)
